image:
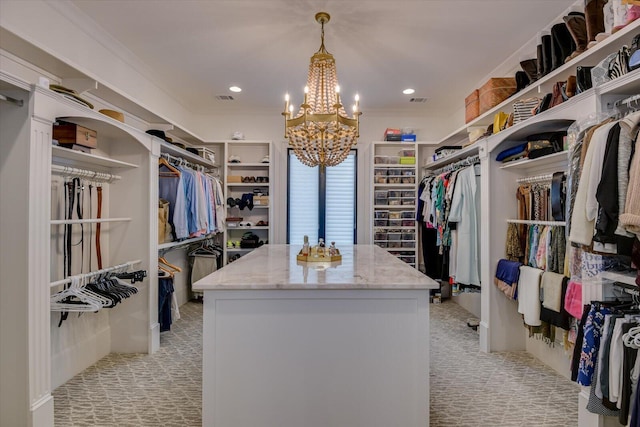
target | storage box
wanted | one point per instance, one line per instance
(408, 179)
(380, 222)
(407, 160)
(206, 153)
(234, 178)
(472, 106)
(380, 160)
(407, 153)
(381, 214)
(71, 133)
(261, 200)
(495, 91)
(408, 137)
(392, 134)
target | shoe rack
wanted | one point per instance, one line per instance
(248, 180)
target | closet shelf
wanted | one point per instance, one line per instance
(248, 165)
(87, 221)
(629, 84)
(470, 150)
(240, 249)
(390, 227)
(629, 279)
(550, 160)
(171, 245)
(165, 147)
(401, 207)
(393, 166)
(394, 185)
(247, 184)
(591, 56)
(58, 153)
(261, 227)
(535, 222)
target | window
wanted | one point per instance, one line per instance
(322, 204)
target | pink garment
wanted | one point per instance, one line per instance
(573, 299)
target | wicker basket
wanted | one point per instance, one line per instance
(472, 106)
(495, 91)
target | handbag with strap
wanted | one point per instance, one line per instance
(524, 108)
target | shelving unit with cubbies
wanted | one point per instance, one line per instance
(394, 195)
(248, 171)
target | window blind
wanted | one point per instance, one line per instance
(303, 202)
(340, 202)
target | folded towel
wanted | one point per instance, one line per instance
(552, 291)
(506, 279)
(529, 295)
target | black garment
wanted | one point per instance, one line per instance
(432, 264)
(607, 192)
(165, 293)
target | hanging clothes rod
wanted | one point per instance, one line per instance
(535, 222)
(536, 178)
(471, 160)
(182, 161)
(94, 273)
(18, 102)
(83, 173)
(635, 99)
(88, 221)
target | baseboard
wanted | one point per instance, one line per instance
(42, 412)
(78, 357)
(553, 357)
(470, 301)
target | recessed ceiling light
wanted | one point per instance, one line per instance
(408, 91)
(235, 89)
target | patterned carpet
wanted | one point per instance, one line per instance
(468, 388)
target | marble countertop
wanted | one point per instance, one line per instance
(276, 267)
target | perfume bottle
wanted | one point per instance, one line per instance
(305, 246)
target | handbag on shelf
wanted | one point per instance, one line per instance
(524, 108)
(619, 66)
(500, 121)
(600, 73)
(558, 95)
(544, 104)
(634, 53)
(583, 78)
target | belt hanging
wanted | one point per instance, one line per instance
(99, 215)
(79, 212)
(90, 228)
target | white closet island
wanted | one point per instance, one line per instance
(296, 344)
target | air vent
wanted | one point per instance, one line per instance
(418, 100)
(224, 97)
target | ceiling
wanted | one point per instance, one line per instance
(197, 49)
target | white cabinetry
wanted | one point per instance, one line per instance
(394, 199)
(36, 354)
(248, 179)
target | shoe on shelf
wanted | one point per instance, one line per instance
(265, 159)
(234, 159)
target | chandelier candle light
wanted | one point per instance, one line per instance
(321, 134)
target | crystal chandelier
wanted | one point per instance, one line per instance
(321, 134)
